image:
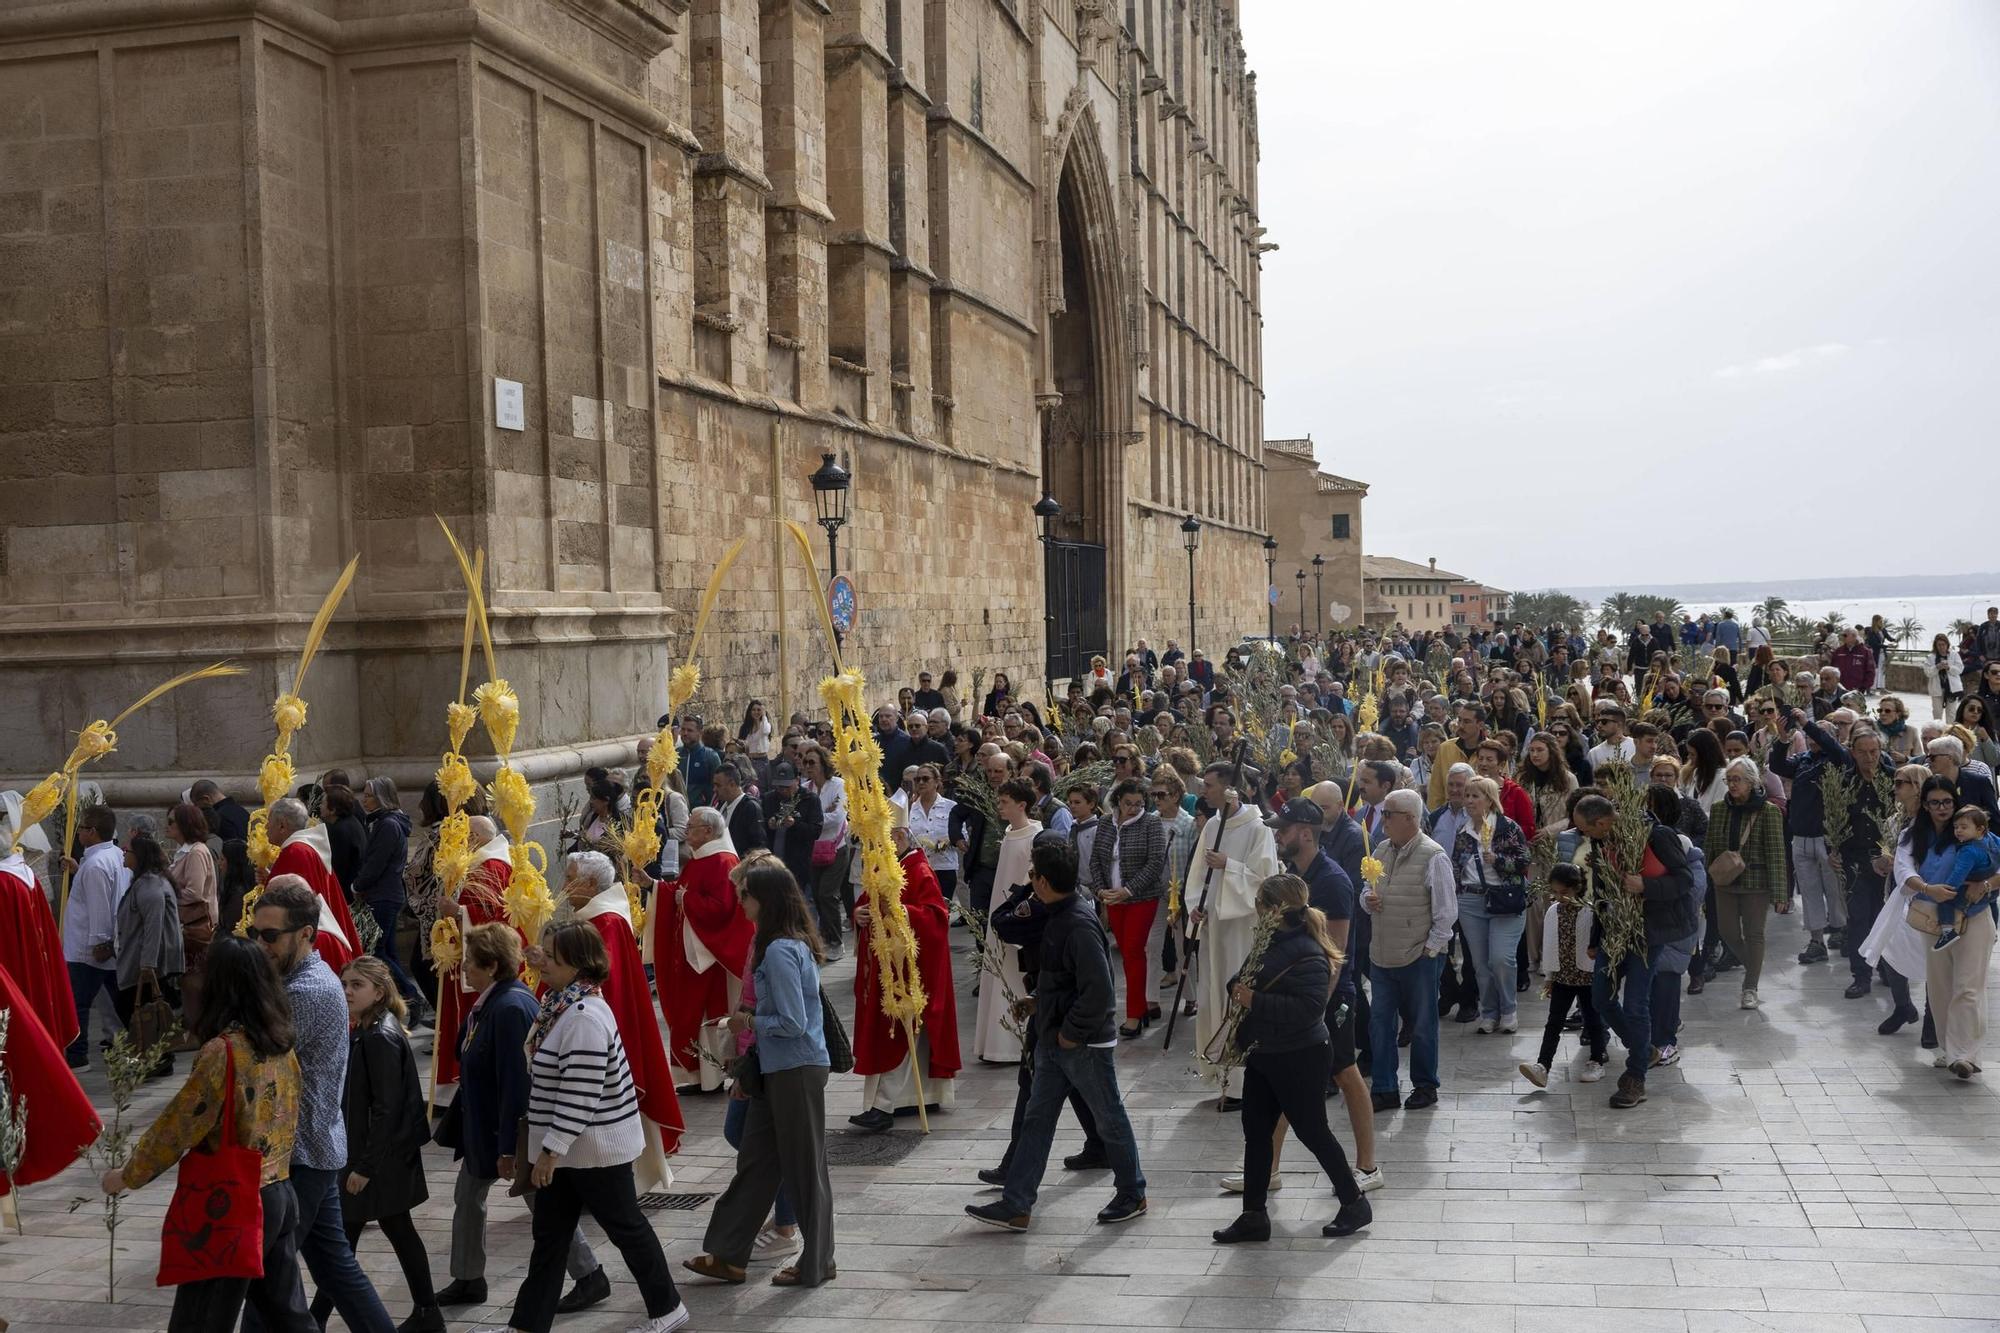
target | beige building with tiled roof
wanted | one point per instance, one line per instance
(1313, 513)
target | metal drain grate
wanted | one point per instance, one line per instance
(871, 1149)
(672, 1203)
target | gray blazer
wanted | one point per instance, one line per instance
(1142, 857)
(149, 931)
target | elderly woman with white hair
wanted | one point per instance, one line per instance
(1745, 851)
(1946, 756)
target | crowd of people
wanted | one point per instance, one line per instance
(1313, 855)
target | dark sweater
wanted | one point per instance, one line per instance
(1805, 814)
(1074, 996)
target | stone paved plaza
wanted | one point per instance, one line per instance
(1795, 1171)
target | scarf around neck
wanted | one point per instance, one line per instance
(554, 1005)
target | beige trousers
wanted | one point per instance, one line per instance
(1955, 987)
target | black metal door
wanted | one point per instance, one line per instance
(1076, 607)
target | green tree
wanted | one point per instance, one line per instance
(1906, 631)
(1775, 611)
(1549, 607)
(1617, 610)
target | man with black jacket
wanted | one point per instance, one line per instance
(1664, 899)
(1075, 1045)
(1805, 821)
(1020, 921)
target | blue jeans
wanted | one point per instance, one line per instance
(1632, 1017)
(733, 1114)
(1493, 942)
(1092, 1071)
(386, 915)
(1405, 994)
(322, 1244)
(85, 981)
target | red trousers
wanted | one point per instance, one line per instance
(1130, 924)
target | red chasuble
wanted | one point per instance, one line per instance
(625, 991)
(480, 899)
(61, 1120)
(879, 1044)
(697, 946)
(31, 949)
(309, 855)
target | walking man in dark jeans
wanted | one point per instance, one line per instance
(1076, 1046)
(284, 922)
(1664, 899)
(1021, 921)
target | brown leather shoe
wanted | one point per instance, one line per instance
(708, 1266)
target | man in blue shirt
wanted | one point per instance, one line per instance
(698, 763)
(285, 923)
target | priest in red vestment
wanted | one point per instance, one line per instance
(591, 885)
(882, 1047)
(303, 850)
(30, 943)
(61, 1120)
(481, 898)
(699, 943)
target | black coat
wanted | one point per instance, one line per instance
(386, 1129)
(794, 844)
(1288, 1007)
(380, 878)
(746, 826)
(228, 820)
(349, 840)
(1074, 994)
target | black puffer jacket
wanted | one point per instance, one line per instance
(1290, 990)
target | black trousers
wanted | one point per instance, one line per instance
(1093, 1145)
(1864, 904)
(607, 1193)
(410, 1254)
(1561, 997)
(1291, 1084)
(278, 1297)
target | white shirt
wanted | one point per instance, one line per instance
(931, 830)
(1603, 753)
(758, 743)
(94, 894)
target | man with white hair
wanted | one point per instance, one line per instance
(1946, 755)
(591, 885)
(30, 945)
(699, 942)
(1412, 907)
(304, 850)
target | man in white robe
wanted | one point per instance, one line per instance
(1234, 854)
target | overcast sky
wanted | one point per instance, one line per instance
(1688, 291)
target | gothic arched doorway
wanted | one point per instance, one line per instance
(1083, 434)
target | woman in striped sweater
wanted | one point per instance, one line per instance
(583, 1128)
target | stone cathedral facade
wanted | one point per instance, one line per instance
(265, 264)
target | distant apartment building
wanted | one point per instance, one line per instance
(1313, 514)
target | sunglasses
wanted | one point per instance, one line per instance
(1938, 805)
(272, 934)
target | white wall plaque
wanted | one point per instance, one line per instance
(508, 413)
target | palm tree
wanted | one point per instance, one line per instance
(1774, 610)
(1616, 611)
(1906, 630)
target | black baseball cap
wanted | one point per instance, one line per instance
(1298, 810)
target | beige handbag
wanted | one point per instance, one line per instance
(1728, 867)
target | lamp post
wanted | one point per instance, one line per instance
(1319, 595)
(1271, 587)
(1045, 510)
(1302, 604)
(1191, 537)
(830, 485)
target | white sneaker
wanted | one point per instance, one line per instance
(666, 1323)
(1592, 1072)
(1234, 1184)
(1749, 999)
(1510, 1025)
(1537, 1074)
(1369, 1181)
(1485, 1025)
(772, 1245)
(1938, 1061)
(1670, 1054)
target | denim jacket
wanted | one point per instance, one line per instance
(789, 1020)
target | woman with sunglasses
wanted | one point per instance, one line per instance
(1896, 948)
(1954, 993)
(1976, 714)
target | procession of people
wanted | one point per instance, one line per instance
(1303, 862)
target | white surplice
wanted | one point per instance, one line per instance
(990, 1039)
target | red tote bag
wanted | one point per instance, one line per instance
(215, 1224)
